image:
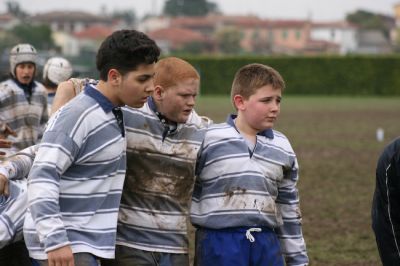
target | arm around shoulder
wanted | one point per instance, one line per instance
(65, 92)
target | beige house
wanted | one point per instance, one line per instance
(70, 21)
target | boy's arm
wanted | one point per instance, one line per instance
(12, 213)
(56, 153)
(65, 92)
(17, 166)
(290, 234)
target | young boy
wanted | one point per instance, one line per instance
(163, 139)
(55, 71)
(75, 184)
(23, 103)
(245, 199)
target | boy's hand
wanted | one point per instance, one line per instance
(4, 185)
(4, 143)
(7, 131)
(61, 257)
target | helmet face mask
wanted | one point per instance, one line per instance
(22, 53)
(57, 70)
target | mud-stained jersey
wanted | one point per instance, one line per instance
(159, 180)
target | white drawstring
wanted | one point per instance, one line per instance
(249, 236)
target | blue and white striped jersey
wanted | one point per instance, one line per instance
(13, 207)
(239, 187)
(12, 212)
(159, 181)
(75, 184)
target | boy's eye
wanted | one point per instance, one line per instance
(267, 100)
(143, 79)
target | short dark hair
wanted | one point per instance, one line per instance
(125, 50)
(251, 77)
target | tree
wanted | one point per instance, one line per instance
(15, 9)
(39, 36)
(128, 16)
(228, 40)
(189, 8)
(370, 21)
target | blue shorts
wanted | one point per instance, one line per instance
(237, 247)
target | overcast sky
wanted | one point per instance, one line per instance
(273, 9)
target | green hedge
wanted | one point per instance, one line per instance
(323, 75)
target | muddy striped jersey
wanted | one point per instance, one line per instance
(159, 181)
(27, 118)
(75, 184)
(237, 186)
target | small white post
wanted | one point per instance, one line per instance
(380, 134)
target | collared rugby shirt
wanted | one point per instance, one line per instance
(159, 180)
(76, 180)
(28, 119)
(238, 187)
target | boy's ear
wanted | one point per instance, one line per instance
(238, 101)
(158, 92)
(114, 77)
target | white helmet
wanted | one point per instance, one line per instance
(22, 53)
(57, 70)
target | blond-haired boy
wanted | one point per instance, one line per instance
(245, 203)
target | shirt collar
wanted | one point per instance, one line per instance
(162, 117)
(102, 100)
(152, 104)
(268, 133)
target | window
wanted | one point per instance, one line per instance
(298, 34)
(284, 34)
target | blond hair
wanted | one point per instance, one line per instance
(251, 77)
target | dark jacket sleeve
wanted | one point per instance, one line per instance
(386, 204)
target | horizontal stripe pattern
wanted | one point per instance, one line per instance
(159, 181)
(76, 181)
(27, 119)
(12, 212)
(236, 187)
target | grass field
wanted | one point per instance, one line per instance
(335, 141)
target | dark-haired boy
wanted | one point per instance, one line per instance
(75, 184)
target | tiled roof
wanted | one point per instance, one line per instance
(177, 36)
(94, 32)
(69, 16)
(288, 23)
(191, 21)
(334, 24)
(6, 17)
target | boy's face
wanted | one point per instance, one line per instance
(24, 72)
(136, 86)
(262, 108)
(177, 102)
